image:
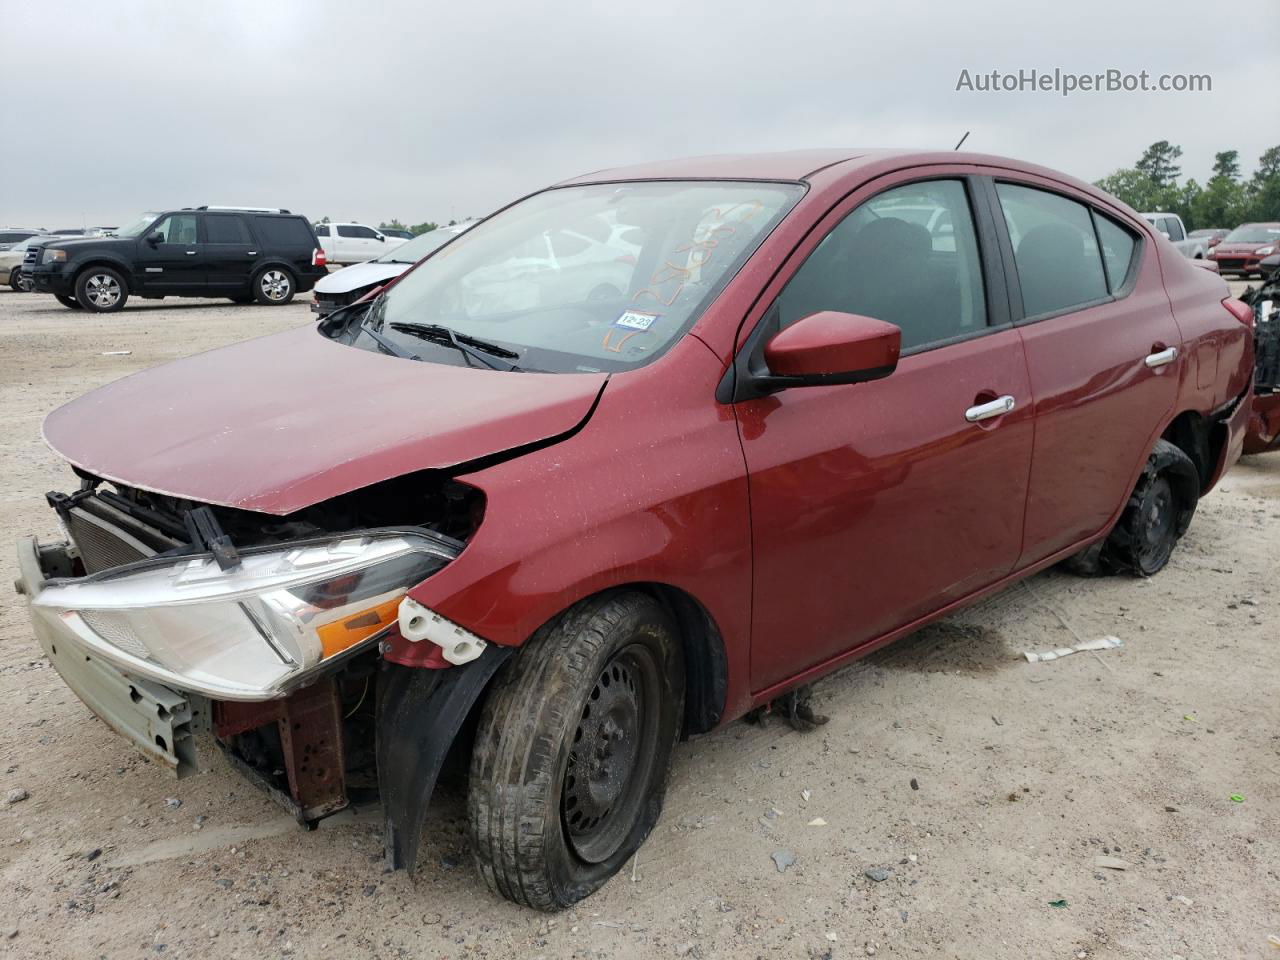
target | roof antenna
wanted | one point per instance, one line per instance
(962, 140)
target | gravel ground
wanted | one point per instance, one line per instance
(980, 787)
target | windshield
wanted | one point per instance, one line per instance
(579, 279)
(135, 227)
(411, 251)
(1254, 233)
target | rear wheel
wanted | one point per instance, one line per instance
(273, 286)
(1154, 518)
(570, 762)
(19, 282)
(101, 290)
(69, 302)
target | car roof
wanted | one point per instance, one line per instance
(793, 165)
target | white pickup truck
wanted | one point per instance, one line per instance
(345, 243)
(1170, 224)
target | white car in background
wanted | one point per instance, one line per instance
(11, 261)
(1170, 224)
(353, 242)
(350, 284)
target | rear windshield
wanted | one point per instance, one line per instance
(284, 231)
(585, 278)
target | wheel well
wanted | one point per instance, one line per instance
(1191, 433)
(705, 664)
(111, 264)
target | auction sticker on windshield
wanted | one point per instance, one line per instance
(635, 320)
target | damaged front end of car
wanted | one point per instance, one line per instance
(1263, 431)
(179, 622)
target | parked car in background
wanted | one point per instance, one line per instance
(351, 283)
(12, 235)
(1269, 268)
(1241, 252)
(402, 234)
(346, 243)
(601, 523)
(244, 254)
(1211, 236)
(11, 262)
(1170, 224)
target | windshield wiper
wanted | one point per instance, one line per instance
(468, 345)
(390, 346)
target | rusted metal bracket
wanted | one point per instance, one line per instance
(310, 727)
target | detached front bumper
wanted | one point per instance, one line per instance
(155, 718)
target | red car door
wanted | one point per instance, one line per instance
(1103, 351)
(877, 503)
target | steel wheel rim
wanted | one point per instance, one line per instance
(275, 285)
(103, 290)
(1155, 522)
(611, 755)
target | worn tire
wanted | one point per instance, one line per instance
(101, 290)
(274, 286)
(69, 302)
(531, 749)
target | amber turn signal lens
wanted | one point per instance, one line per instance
(352, 628)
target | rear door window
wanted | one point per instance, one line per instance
(1118, 247)
(908, 256)
(1054, 249)
(225, 228)
(283, 231)
(356, 231)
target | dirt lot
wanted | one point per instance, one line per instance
(1025, 772)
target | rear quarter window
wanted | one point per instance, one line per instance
(1118, 248)
(283, 231)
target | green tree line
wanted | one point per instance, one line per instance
(1225, 200)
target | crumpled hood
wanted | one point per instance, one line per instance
(286, 421)
(360, 275)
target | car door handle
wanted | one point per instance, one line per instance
(252, 253)
(985, 411)
(191, 253)
(1162, 357)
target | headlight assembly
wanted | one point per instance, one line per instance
(52, 255)
(252, 632)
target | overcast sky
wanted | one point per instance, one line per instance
(432, 111)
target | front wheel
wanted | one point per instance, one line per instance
(101, 290)
(570, 762)
(69, 302)
(273, 287)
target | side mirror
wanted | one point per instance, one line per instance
(155, 238)
(381, 238)
(832, 348)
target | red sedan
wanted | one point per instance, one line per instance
(837, 395)
(1241, 252)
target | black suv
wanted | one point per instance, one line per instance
(240, 253)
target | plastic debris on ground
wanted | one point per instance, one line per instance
(1089, 646)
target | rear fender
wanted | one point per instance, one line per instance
(419, 713)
